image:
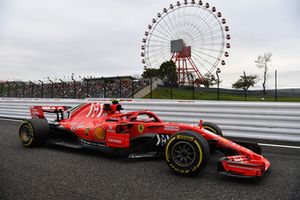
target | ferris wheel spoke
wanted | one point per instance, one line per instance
(213, 45)
(214, 57)
(170, 34)
(209, 49)
(211, 38)
(159, 55)
(201, 57)
(170, 29)
(160, 37)
(201, 64)
(167, 17)
(197, 21)
(158, 62)
(208, 30)
(215, 25)
(208, 21)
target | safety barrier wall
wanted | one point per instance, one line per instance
(276, 123)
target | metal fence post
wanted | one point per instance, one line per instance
(23, 90)
(150, 87)
(42, 89)
(32, 88)
(74, 87)
(51, 86)
(8, 89)
(276, 86)
(120, 87)
(16, 89)
(132, 88)
(2, 87)
(104, 86)
(217, 73)
(63, 87)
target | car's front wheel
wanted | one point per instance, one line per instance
(187, 153)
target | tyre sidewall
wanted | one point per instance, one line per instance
(201, 150)
(30, 142)
(212, 128)
(39, 129)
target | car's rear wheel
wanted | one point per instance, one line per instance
(214, 129)
(33, 132)
(187, 153)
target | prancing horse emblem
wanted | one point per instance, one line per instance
(141, 128)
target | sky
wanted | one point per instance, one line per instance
(55, 38)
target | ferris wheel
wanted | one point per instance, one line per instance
(193, 34)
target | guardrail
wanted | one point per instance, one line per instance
(276, 123)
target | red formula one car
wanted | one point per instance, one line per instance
(186, 147)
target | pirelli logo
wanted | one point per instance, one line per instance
(183, 137)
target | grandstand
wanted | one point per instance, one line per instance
(102, 87)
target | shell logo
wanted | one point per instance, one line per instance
(99, 133)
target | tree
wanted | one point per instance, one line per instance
(209, 80)
(167, 72)
(150, 73)
(262, 63)
(245, 82)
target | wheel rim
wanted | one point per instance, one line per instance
(26, 134)
(183, 154)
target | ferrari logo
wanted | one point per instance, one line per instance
(141, 128)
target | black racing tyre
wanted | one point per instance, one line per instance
(187, 153)
(33, 132)
(214, 129)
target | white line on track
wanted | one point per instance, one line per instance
(280, 146)
(12, 120)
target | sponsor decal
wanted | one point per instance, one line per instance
(76, 126)
(183, 137)
(99, 133)
(91, 143)
(86, 131)
(96, 110)
(110, 129)
(141, 128)
(112, 140)
(171, 128)
(162, 140)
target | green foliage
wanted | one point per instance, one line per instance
(209, 81)
(245, 82)
(167, 72)
(150, 73)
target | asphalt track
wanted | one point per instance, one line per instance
(54, 172)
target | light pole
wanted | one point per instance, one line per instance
(217, 73)
(193, 86)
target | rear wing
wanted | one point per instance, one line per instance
(38, 111)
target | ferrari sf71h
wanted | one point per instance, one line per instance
(186, 147)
